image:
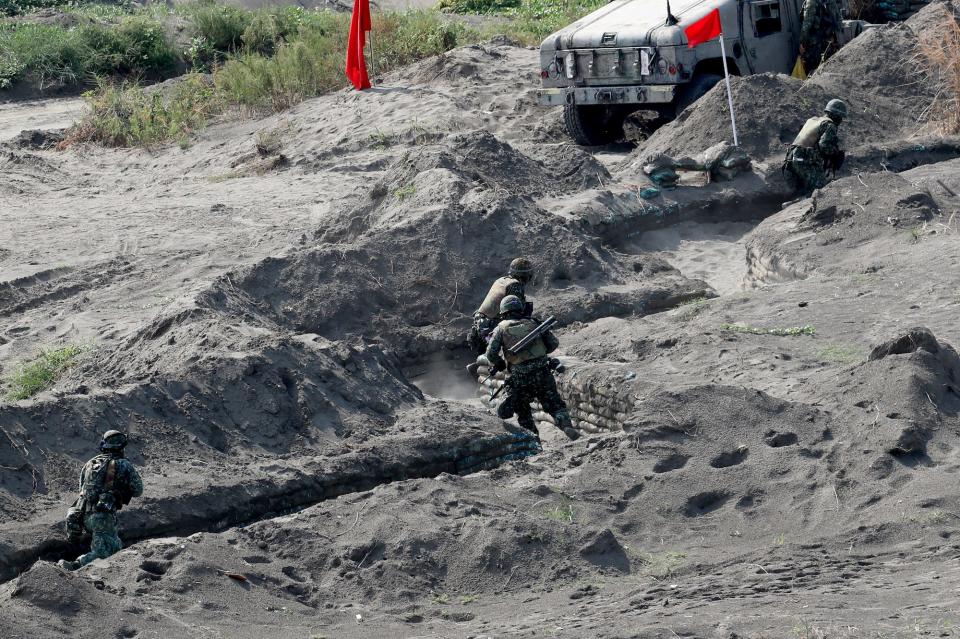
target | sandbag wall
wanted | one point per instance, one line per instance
(599, 397)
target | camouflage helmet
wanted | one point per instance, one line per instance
(511, 304)
(837, 108)
(113, 440)
(521, 268)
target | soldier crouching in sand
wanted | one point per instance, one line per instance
(107, 483)
(485, 317)
(531, 371)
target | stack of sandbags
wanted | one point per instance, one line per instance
(597, 402)
(599, 398)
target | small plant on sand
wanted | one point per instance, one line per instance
(42, 372)
(662, 565)
(562, 512)
(790, 331)
(441, 599)
(915, 234)
(841, 354)
(468, 599)
(404, 192)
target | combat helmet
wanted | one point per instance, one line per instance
(113, 440)
(511, 304)
(836, 108)
(522, 269)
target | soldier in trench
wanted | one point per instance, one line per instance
(107, 483)
(816, 151)
(485, 318)
(531, 371)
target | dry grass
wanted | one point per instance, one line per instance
(940, 49)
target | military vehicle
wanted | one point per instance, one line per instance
(633, 55)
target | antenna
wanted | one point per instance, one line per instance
(671, 19)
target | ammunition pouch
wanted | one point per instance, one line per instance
(107, 503)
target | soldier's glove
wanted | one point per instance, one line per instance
(556, 365)
(499, 366)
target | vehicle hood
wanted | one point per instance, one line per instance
(635, 23)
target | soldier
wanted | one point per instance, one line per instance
(822, 25)
(531, 374)
(816, 150)
(485, 317)
(107, 483)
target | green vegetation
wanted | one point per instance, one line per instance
(126, 115)
(50, 55)
(841, 354)
(662, 565)
(782, 332)
(527, 21)
(562, 513)
(404, 192)
(42, 372)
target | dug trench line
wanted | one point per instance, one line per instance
(286, 490)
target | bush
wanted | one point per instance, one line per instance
(126, 115)
(477, 6)
(53, 56)
(940, 48)
(42, 372)
(222, 26)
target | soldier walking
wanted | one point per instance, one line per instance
(485, 317)
(820, 31)
(531, 371)
(107, 483)
(816, 149)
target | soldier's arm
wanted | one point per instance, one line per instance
(550, 341)
(83, 477)
(493, 350)
(829, 143)
(136, 482)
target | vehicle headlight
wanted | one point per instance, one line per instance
(570, 65)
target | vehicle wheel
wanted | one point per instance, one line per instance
(695, 90)
(593, 125)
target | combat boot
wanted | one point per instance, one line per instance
(565, 424)
(68, 565)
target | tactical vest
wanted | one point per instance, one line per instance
(809, 135)
(515, 330)
(491, 303)
(99, 477)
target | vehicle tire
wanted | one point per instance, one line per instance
(593, 125)
(694, 90)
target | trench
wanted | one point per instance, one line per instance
(220, 508)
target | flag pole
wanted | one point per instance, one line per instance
(726, 77)
(373, 62)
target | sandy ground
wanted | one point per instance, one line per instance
(281, 332)
(41, 115)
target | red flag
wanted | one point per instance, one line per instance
(359, 25)
(706, 28)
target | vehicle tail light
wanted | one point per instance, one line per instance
(570, 65)
(673, 70)
(544, 74)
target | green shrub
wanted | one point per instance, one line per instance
(477, 6)
(126, 115)
(53, 56)
(137, 46)
(220, 25)
(42, 372)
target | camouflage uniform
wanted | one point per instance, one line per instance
(806, 161)
(820, 32)
(485, 317)
(107, 482)
(531, 375)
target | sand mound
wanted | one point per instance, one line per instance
(410, 264)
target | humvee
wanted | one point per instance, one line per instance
(632, 55)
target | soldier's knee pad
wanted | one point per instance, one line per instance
(505, 409)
